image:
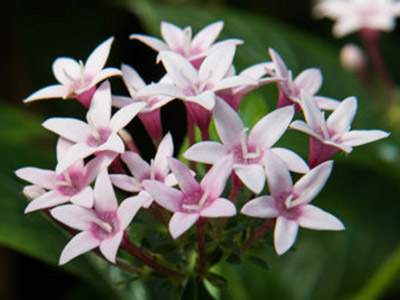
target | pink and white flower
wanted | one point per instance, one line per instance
(194, 200)
(180, 41)
(158, 169)
(248, 150)
(100, 133)
(78, 80)
(334, 134)
(354, 15)
(309, 80)
(289, 203)
(103, 226)
(73, 185)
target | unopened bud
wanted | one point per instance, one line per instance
(31, 192)
(353, 58)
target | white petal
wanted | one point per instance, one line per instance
(180, 222)
(164, 195)
(165, 150)
(361, 137)
(220, 207)
(62, 146)
(292, 160)
(68, 128)
(313, 115)
(206, 152)
(179, 69)
(40, 177)
(76, 152)
(252, 176)
(270, 128)
(183, 175)
(326, 103)
(285, 234)
(52, 91)
(80, 243)
(84, 198)
(234, 81)
(128, 209)
(313, 217)
(277, 173)
(207, 36)
(303, 127)
(138, 167)
(150, 41)
(99, 113)
(125, 183)
(132, 79)
(215, 179)
(47, 200)
(261, 207)
(66, 70)
(310, 80)
(98, 57)
(216, 64)
(104, 196)
(205, 99)
(124, 115)
(172, 34)
(114, 143)
(109, 247)
(340, 119)
(104, 74)
(96, 165)
(121, 101)
(74, 216)
(279, 64)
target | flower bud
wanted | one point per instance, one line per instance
(352, 57)
(31, 192)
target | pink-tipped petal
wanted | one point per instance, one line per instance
(48, 92)
(270, 128)
(40, 177)
(124, 115)
(66, 70)
(46, 200)
(128, 209)
(219, 208)
(217, 63)
(180, 222)
(285, 234)
(204, 38)
(99, 113)
(228, 123)
(315, 218)
(215, 179)
(125, 183)
(74, 216)
(261, 207)
(308, 186)
(81, 243)
(310, 80)
(150, 41)
(277, 173)
(84, 198)
(110, 246)
(68, 128)
(340, 119)
(164, 195)
(206, 152)
(104, 196)
(293, 161)
(97, 59)
(252, 176)
(361, 137)
(183, 175)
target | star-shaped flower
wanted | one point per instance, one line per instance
(354, 15)
(158, 169)
(103, 226)
(289, 89)
(289, 203)
(334, 134)
(100, 133)
(248, 150)
(72, 185)
(78, 80)
(180, 41)
(194, 200)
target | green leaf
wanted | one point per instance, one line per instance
(195, 290)
(259, 262)
(217, 280)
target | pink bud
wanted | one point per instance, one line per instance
(31, 192)
(353, 57)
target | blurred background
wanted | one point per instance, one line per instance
(361, 263)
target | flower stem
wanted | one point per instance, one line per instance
(201, 240)
(260, 232)
(190, 134)
(144, 257)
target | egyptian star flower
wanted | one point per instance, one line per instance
(289, 89)
(158, 169)
(289, 203)
(73, 185)
(248, 150)
(194, 200)
(78, 80)
(180, 41)
(354, 15)
(334, 134)
(100, 133)
(102, 226)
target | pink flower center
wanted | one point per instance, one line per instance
(195, 201)
(98, 137)
(287, 206)
(70, 183)
(105, 225)
(246, 153)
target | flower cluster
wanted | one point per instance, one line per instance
(200, 73)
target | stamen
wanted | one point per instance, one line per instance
(152, 170)
(69, 94)
(323, 127)
(68, 75)
(288, 201)
(187, 38)
(67, 180)
(201, 203)
(103, 225)
(243, 142)
(82, 71)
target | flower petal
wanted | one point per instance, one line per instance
(179, 69)
(84, 198)
(125, 183)
(99, 113)
(80, 243)
(252, 176)
(128, 209)
(186, 181)
(47, 200)
(74, 153)
(292, 160)
(215, 179)
(340, 119)
(220, 207)
(164, 195)
(279, 64)
(74, 216)
(303, 127)
(104, 196)
(125, 115)
(205, 37)
(104, 74)
(310, 80)
(68, 128)
(132, 79)
(206, 152)
(109, 247)
(277, 173)
(216, 64)
(261, 207)
(165, 150)
(180, 222)
(205, 99)
(270, 128)
(66, 70)
(97, 59)
(234, 81)
(96, 165)
(315, 218)
(150, 41)
(285, 234)
(361, 137)
(326, 103)
(172, 34)
(41, 177)
(138, 167)
(48, 92)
